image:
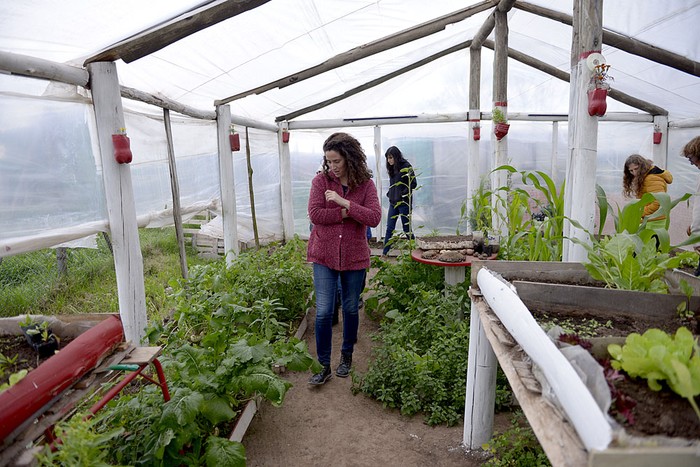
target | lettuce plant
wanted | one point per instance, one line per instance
(657, 357)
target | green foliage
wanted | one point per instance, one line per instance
(81, 444)
(534, 224)
(421, 363)
(657, 357)
(480, 214)
(638, 255)
(30, 283)
(230, 327)
(517, 447)
(497, 116)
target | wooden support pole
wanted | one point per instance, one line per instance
(480, 401)
(659, 152)
(121, 207)
(251, 191)
(580, 195)
(473, 169)
(379, 163)
(285, 162)
(175, 192)
(227, 184)
(500, 102)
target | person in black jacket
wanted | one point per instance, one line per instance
(402, 182)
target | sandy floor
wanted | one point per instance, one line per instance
(328, 425)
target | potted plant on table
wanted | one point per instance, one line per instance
(40, 336)
(598, 90)
(500, 127)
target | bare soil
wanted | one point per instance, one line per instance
(654, 413)
(328, 425)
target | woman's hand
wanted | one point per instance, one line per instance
(337, 199)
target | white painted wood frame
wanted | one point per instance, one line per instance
(121, 208)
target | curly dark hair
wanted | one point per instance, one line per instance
(632, 185)
(355, 159)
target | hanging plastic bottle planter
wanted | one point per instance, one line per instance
(500, 127)
(657, 135)
(596, 102)
(285, 136)
(235, 140)
(598, 92)
(122, 147)
(476, 133)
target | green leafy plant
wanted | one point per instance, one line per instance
(498, 116)
(228, 331)
(516, 446)
(534, 222)
(683, 308)
(659, 357)
(81, 444)
(638, 255)
(479, 216)
(420, 365)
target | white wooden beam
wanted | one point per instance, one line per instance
(285, 162)
(227, 184)
(580, 195)
(121, 208)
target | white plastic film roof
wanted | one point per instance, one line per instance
(283, 37)
(51, 186)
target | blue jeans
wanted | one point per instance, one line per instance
(326, 285)
(400, 210)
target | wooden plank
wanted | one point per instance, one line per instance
(162, 35)
(550, 297)
(557, 437)
(646, 457)
(141, 355)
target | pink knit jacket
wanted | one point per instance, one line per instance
(341, 244)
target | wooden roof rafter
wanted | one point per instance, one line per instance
(162, 35)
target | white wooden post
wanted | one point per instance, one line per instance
(555, 152)
(659, 152)
(500, 101)
(580, 195)
(285, 184)
(227, 184)
(379, 162)
(480, 400)
(121, 208)
(473, 170)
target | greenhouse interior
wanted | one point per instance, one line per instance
(180, 78)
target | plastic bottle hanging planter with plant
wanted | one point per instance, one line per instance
(235, 140)
(122, 147)
(500, 127)
(598, 90)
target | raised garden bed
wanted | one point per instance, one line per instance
(666, 429)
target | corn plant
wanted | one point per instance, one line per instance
(535, 227)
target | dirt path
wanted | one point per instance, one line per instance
(328, 425)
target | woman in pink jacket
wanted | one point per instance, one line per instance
(342, 203)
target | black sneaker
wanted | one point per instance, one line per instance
(345, 364)
(321, 378)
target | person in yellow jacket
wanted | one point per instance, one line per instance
(642, 176)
